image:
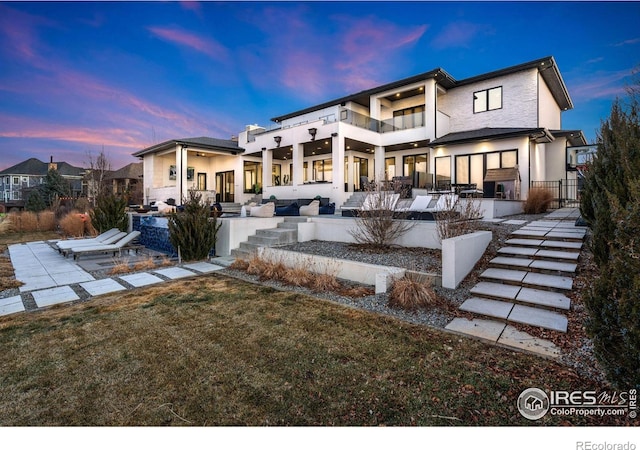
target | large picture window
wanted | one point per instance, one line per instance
(443, 172)
(470, 169)
(416, 167)
(322, 170)
(408, 118)
(487, 99)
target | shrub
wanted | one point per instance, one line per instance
(193, 232)
(538, 200)
(610, 206)
(298, 276)
(73, 225)
(23, 221)
(239, 264)
(145, 264)
(120, 266)
(458, 219)
(82, 204)
(46, 221)
(109, 213)
(410, 294)
(378, 225)
(35, 202)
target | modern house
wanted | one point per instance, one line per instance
(18, 180)
(500, 131)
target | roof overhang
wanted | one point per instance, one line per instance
(204, 144)
(575, 138)
(540, 135)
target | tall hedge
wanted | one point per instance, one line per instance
(193, 231)
(109, 213)
(611, 206)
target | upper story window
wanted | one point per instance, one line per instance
(409, 118)
(487, 100)
(16, 180)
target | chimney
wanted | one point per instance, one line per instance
(52, 165)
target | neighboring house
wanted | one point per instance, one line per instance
(127, 180)
(17, 181)
(500, 131)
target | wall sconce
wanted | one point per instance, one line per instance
(334, 134)
(278, 139)
(312, 132)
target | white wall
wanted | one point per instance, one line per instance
(519, 103)
(549, 111)
(460, 255)
(238, 229)
(556, 162)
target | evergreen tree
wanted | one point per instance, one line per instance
(35, 203)
(193, 232)
(54, 186)
(109, 213)
(611, 206)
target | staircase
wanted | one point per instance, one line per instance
(355, 201)
(527, 283)
(286, 233)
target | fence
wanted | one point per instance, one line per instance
(565, 192)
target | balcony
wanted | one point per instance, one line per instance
(398, 123)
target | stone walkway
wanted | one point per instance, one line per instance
(528, 284)
(49, 278)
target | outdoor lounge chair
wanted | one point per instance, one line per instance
(123, 244)
(71, 245)
(104, 238)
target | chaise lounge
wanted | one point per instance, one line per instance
(126, 243)
(108, 237)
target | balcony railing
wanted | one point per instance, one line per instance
(398, 123)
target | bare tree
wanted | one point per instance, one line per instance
(99, 168)
(457, 217)
(378, 223)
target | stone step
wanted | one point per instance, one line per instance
(516, 313)
(249, 246)
(557, 254)
(544, 266)
(486, 307)
(504, 275)
(240, 253)
(546, 299)
(524, 242)
(543, 243)
(520, 251)
(538, 317)
(506, 262)
(537, 253)
(548, 282)
(562, 244)
(543, 233)
(495, 290)
(264, 241)
(283, 235)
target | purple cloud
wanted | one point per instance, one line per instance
(600, 85)
(458, 34)
(203, 45)
(627, 42)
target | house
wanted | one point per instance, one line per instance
(500, 131)
(18, 180)
(127, 180)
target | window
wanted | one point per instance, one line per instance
(16, 180)
(390, 167)
(470, 169)
(6, 180)
(16, 195)
(252, 177)
(443, 172)
(408, 118)
(276, 173)
(504, 159)
(415, 166)
(487, 100)
(322, 170)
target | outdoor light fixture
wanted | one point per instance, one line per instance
(278, 139)
(312, 132)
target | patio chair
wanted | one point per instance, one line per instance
(123, 244)
(104, 238)
(112, 240)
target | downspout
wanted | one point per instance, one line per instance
(181, 172)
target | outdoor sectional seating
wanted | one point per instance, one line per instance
(125, 243)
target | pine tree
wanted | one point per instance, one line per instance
(193, 232)
(611, 206)
(109, 213)
(54, 186)
(35, 203)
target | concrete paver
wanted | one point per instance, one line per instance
(203, 267)
(488, 330)
(550, 281)
(514, 222)
(562, 244)
(558, 254)
(554, 265)
(512, 337)
(53, 296)
(11, 305)
(534, 233)
(523, 251)
(104, 286)
(525, 242)
(504, 274)
(544, 298)
(515, 262)
(493, 308)
(496, 290)
(141, 279)
(175, 272)
(538, 317)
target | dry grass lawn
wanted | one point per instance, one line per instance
(217, 351)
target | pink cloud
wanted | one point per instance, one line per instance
(21, 31)
(209, 47)
(627, 42)
(458, 34)
(600, 85)
(192, 6)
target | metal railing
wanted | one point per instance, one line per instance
(360, 120)
(565, 192)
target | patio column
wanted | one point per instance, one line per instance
(337, 161)
(378, 163)
(298, 157)
(267, 162)
(350, 172)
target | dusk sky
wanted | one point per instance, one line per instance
(77, 77)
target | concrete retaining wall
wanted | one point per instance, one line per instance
(379, 276)
(460, 255)
(422, 234)
(238, 229)
(491, 208)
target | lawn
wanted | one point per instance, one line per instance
(218, 351)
